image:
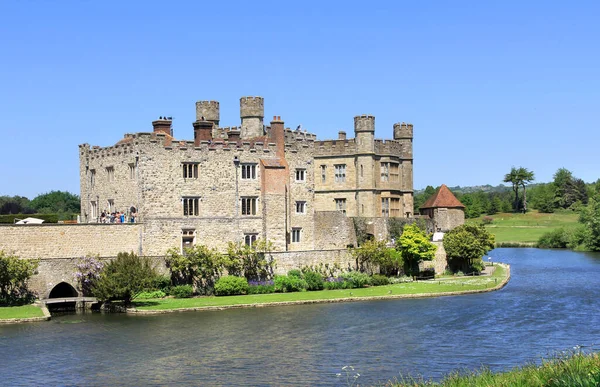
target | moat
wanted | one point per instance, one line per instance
(551, 303)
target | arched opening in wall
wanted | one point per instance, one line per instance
(63, 290)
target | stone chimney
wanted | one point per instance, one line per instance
(341, 135)
(277, 135)
(162, 125)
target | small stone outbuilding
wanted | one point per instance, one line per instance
(446, 211)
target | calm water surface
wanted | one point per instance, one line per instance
(552, 303)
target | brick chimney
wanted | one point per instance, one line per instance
(233, 135)
(202, 131)
(162, 125)
(277, 135)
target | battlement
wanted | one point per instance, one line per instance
(403, 131)
(252, 107)
(335, 147)
(364, 123)
(389, 147)
(208, 111)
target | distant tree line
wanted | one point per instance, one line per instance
(565, 192)
(53, 202)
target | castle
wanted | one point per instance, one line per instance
(248, 182)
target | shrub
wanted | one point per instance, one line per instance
(379, 280)
(124, 277)
(261, 289)
(150, 295)
(295, 273)
(182, 291)
(285, 284)
(400, 280)
(199, 266)
(487, 220)
(231, 285)
(14, 273)
(314, 280)
(87, 273)
(357, 279)
(333, 283)
(162, 282)
(555, 239)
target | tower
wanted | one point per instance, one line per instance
(364, 132)
(209, 110)
(252, 112)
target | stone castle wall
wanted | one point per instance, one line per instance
(69, 241)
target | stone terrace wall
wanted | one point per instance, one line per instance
(68, 241)
(289, 260)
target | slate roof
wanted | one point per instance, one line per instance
(443, 198)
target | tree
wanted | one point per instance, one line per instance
(56, 202)
(466, 245)
(590, 218)
(198, 266)
(251, 262)
(525, 177)
(414, 245)
(569, 189)
(513, 178)
(375, 253)
(124, 277)
(519, 177)
(14, 273)
(542, 197)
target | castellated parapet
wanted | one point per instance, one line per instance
(364, 123)
(208, 111)
(403, 131)
(252, 113)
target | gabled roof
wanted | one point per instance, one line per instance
(443, 198)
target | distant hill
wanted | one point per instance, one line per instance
(476, 188)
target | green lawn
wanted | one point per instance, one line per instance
(26, 311)
(438, 286)
(527, 228)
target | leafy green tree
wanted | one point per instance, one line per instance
(590, 218)
(466, 245)
(124, 277)
(414, 246)
(542, 198)
(56, 202)
(15, 205)
(569, 189)
(198, 266)
(252, 262)
(14, 273)
(372, 254)
(519, 178)
(513, 178)
(525, 176)
(421, 198)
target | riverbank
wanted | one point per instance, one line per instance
(25, 313)
(566, 369)
(445, 286)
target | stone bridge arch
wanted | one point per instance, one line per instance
(62, 290)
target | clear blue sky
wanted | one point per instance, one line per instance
(487, 85)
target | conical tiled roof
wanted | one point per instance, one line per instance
(443, 198)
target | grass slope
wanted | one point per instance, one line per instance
(437, 286)
(527, 228)
(26, 311)
(567, 370)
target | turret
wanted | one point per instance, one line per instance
(208, 111)
(403, 131)
(364, 131)
(252, 112)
